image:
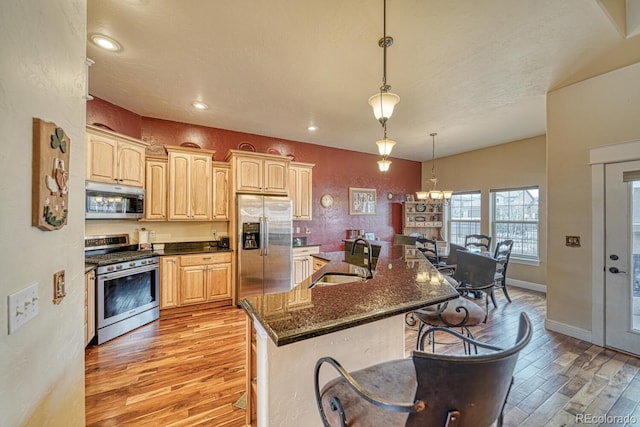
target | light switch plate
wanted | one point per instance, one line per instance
(23, 306)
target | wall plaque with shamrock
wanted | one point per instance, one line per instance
(50, 176)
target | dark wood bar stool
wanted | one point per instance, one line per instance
(425, 390)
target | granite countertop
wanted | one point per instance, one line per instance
(403, 281)
(88, 266)
(305, 245)
(186, 248)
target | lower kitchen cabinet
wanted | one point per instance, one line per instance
(89, 306)
(318, 263)
(303, 262)
(204, 278)
(168, 282)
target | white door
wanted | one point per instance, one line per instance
(622, 253)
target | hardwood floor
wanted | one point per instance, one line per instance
(187, 369)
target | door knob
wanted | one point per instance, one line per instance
(615, 270)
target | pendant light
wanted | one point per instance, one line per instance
(384, 101)
(434, 195)
(385, 145)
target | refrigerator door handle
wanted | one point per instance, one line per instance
(266, 236)
(262, 249)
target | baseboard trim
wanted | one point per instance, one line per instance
(527, 285)
(572, 331)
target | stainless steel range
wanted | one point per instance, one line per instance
(127, 285)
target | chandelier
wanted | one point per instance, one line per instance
(384, 101)
(434, 195)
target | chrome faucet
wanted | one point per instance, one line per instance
(369, 254)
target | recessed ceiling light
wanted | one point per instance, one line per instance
(199, 105)
(105, 42)
(312, 128)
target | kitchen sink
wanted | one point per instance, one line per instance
(336, 279)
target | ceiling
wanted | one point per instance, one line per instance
(475, 72)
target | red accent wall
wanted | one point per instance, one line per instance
(335, 171)
(100, 112)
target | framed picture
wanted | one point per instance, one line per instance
(362, 201)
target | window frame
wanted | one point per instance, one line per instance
(464, 221)
(495, 222)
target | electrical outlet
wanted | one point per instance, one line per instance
(214, 233)
(23, 306)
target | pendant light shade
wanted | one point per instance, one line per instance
(383, 104)
(385, 146)
(384, 164)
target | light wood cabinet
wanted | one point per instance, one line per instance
(220, 194)
(424, 218)
(303, 262)
(276, 177)
(318, 263)
(251, 373)
(155, 199)
(259, 173)
(300, 190)
(168, 282)
(189, 184)
(204, 278)
(114, 158)
(89, 306)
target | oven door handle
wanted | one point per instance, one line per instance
(128, 272)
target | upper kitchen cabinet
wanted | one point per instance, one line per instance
(114, 158)
(189, 183)
(300, 185)
(155, 200)
(220, 195)
(259, 173)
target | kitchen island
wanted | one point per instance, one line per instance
(359, 323)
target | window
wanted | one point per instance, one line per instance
(515, 216)
(464, 216)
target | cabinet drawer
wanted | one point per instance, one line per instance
(305, 251)
(203, 259)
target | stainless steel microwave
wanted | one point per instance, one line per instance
(107, 201)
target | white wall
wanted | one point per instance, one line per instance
(600, 111)
(515, 164)
(42, 45)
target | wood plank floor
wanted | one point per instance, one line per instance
(187, 369)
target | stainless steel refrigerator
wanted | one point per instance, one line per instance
(264, 244)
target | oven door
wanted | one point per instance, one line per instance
(123, 294)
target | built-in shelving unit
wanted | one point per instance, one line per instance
(424, 218)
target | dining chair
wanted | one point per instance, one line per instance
(480, 242)
(447, 265)
(426, 389)
(429, 248)
(473, 273)
(502, 255)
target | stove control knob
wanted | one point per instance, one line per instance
(118, 267)
(143, 262)
(110, 268)
(132, 264)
